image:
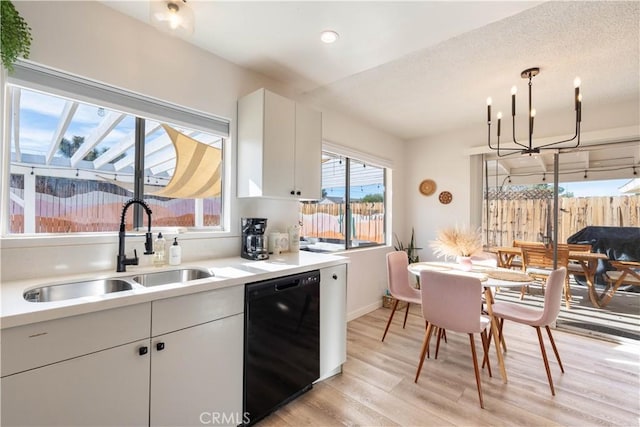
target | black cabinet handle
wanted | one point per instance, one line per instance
(160, 346)
(335, 276)
(143, 350)
(298, 193)
(293, 193)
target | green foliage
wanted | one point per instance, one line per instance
(373, 198)
(410, 249)
(69, 148)
(15, 36)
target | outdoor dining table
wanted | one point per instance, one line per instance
(588, 261)
(490, 277)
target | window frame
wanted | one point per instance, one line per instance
(349, 155)
(37, 78)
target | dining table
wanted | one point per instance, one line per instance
(491, 278)
(586, 263)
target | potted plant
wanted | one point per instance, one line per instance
(411, 249)
(15, 37)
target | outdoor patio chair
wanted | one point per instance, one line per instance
(625, 273)
(538, 263)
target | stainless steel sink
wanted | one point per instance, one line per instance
(65, 291)
(172, 276)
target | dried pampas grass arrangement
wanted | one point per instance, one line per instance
(455, 241)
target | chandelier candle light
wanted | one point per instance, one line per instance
(529, 149)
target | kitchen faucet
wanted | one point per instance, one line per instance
(122, 260)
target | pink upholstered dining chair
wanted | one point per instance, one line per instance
(399, 285)
(454, 302)
(536, 317)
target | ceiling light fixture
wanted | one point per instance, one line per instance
(329, 36)
(529, 149)
(173, 16)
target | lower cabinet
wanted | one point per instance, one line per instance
(109, 387)
(196, 374)
(183, 368)
(333, 319)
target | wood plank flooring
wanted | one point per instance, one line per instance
(600, 386)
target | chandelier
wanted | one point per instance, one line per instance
(529, 149)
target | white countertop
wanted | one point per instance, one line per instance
(16, 311)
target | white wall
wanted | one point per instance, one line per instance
(96, 42)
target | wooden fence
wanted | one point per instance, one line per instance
(532, 219)
(327, 221)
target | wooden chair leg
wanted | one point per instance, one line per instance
(555, 349)
(485, 346)
(475, 367)
(425, 346)
(567, 293)
(439, 332)
(395, 305)
(546, 361)
(500, 337)
(406, 313)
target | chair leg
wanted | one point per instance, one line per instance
(406, 313)
(425, 347)
(475, 367)
(395, 305)
(485, 346)
(500, 337)
(439, 332)
(555, 349)
(567, 292)
(546, 361)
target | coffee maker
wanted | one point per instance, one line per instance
(254, 242)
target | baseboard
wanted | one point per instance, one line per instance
(364, 310)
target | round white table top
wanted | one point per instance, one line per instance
(489, 276)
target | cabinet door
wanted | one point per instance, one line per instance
(279, 149)
(333, 319)
(197, 376)
(308, 153)
(109, 387)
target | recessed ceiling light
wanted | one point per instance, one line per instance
(329, 36)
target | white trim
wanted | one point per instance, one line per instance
(364, 310)
(345, 151)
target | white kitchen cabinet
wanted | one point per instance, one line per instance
(197, 376)
(167, 362)
(279, 147)
(196, 369)
(333, 319)
(109, 387)
(79, 370)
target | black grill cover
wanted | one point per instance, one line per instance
(618, 243)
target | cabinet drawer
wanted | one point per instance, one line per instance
(176, 313)
(38, 344)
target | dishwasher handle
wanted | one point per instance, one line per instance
(289, 285)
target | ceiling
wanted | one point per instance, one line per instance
(415, 69)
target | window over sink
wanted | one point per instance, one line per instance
(78, 148)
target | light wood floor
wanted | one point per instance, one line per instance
(600, 386)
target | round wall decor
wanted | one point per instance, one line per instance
(427, 187)
(445, 197)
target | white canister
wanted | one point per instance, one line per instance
(274, 243)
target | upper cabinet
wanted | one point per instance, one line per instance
(279, 148)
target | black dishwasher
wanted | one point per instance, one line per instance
(282, 341)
